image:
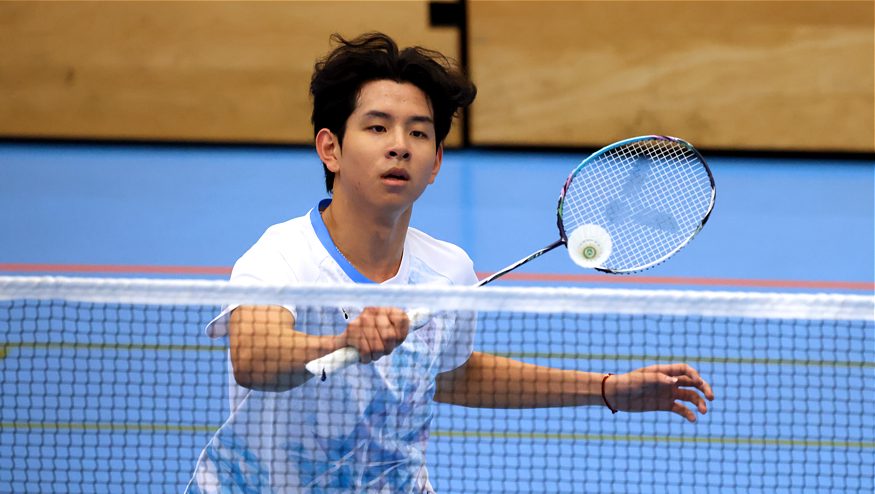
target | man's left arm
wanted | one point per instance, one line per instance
(491, 381)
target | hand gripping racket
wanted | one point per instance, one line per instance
(626, 208)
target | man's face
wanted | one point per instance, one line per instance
(389, 154)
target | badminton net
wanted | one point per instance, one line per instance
(110, 384)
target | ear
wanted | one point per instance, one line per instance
(438, 158)
(328, 149)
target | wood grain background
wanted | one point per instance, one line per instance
(181, 71)
(780, 75)
(748, 75)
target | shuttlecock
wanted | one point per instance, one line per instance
(589, 246)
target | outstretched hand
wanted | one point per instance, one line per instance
(660, 387)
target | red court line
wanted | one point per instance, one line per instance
(535, 277)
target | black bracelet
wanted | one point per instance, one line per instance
(605, 398)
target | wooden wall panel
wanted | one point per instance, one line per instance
(189, 71)
(739, 75)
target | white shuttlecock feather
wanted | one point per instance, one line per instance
(589, 246)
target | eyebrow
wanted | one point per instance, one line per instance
(413, 119)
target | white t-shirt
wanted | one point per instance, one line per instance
(364, 429)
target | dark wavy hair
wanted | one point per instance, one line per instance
(338, 78)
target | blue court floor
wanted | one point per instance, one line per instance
(796, 220)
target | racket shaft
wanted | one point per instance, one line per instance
(530, 257)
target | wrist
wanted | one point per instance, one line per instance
(604, 393)
(334, 343)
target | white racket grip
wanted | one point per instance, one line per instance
(343, 358)
(334, 361)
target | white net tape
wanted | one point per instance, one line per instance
(821, 306)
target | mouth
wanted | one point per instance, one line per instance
(396, 175)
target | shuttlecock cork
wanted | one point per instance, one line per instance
(589, 246)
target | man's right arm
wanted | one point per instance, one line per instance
(269, 354)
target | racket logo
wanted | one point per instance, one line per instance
(638, 176)
(630, 207)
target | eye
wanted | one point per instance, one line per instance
(419, 134)
(377, 129)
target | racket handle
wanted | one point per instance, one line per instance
(344, 357)
(334, 361)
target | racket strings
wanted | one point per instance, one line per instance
(650, 195)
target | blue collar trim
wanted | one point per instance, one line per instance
(324, 237)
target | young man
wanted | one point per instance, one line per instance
(380, 117)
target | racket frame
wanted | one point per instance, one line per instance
(563, 236)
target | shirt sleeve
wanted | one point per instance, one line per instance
(460, 343)
(260, 264)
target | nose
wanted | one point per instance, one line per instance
(399, 154)
(398, 148)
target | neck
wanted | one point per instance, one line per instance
(373, 242)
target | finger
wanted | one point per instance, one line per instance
(698, 383)
(694, 374)
(356, 334)
(381, 336)
(401, 323)
(363, 346)
(686, 381)
(667, 381)
(689, 376)
(689, 382)
(370, 322)
(393, 328)
(706, 388)
(678, 369)
(683, 411)
(694, 398)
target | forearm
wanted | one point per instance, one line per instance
(490, 381)
(268, 354)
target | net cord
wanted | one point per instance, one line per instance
(821, 306)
